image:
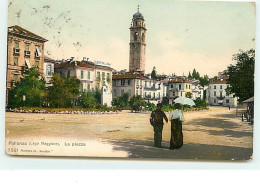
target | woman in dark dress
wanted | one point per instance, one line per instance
(176, 118)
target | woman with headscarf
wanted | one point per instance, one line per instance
(176, 118)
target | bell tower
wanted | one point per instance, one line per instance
(137, 44)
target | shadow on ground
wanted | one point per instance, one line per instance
(145, 149)
(226, 125)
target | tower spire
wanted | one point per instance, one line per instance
(138, 8)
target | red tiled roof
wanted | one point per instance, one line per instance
(103, 67)
(179, 80)
(48, 59)
(128, 76)
(23, 32)
(72, 64)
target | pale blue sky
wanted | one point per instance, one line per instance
(180, 35)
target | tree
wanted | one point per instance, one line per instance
(87, 99)
(204, 80)
(63, 92)
(188, 94)
(29, 91)
(241, 75)
(200, 103)
(189, 76)
(122, 101)
(137, 103)
(154, 73)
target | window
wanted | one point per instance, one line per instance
(135, 36)
(154, 95)
(108, 77)
(98, 76)
(48, 70)
(136, 92)
(220, 94)
(214, 100)
(68, 74)
(89, 75)
(16, 45)
(145, 83)
(129, 82)
(27, 47)
(143, 37)
(215, 93)
(114, 92)
(159, 95)
(122, 92)
(214, 87)
(15, 61)
(81, 74)
(88, 87)
(103, 76)
(227, 100)
(179, 86)
(171, 85)
(145, 94)
(220, 86)
(141, 93)
(122, 82)
(136, 23)
(186, 86)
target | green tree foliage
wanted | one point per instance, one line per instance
(189, 76)
(137, 103)
(31, 87)
(200, 103)
(154, 73)
(188, 94)
(63, 92)
(97, 94)
(241, 75)
(165, 101)
(87, 100)
(204, 80)
(122, 101)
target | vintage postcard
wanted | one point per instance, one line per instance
(130, 79)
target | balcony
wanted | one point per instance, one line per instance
(152, 88)
(16, 51)
(27, 53)
(220, 97)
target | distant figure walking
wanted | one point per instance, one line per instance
(156, 120)
(176, 118)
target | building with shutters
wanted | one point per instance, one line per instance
(217, 95)
(25, 50)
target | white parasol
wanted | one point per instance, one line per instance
(184, 101)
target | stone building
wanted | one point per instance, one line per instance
(25, 50)
(48, 69)
(217, 95)
(138, 85)
(132, 84)
(137, 44)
